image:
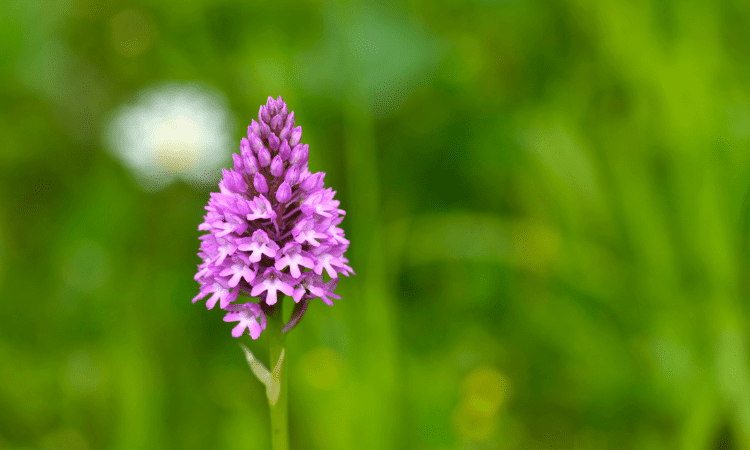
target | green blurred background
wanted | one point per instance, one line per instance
(547, 207)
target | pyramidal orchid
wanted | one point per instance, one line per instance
(271, 230)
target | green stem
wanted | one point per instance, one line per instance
(276, 341)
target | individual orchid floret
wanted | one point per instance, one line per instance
(321, 289)
(259, 244)
(329, 259)
(239, 269)
(271, 281)
(219, 293)
(261, 209)
(248, 315)
(293, 256)
(305, 232)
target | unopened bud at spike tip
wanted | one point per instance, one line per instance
(292, 175)
(271, 106)
(285, 133)
(264, 157)
(265, 130)
(255, 143)
(284, 150)
(244, 146)
(263, 115)
(276, 123)
(296, 136)
(259, 183)
(284, 193)
(237, 160)
(277, 166)
(273, 142)
(289, 120)
(251, 164)
(254, 128)
(313, 182)
(299, 154)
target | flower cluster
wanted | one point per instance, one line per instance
(272, 227)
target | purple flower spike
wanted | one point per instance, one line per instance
(272, 228)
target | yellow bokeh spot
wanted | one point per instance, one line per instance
(323, 368)
(483, 390)
(473, 427)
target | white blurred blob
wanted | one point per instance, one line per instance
(82, 372)
(172, 131)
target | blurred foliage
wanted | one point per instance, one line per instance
(547, 204)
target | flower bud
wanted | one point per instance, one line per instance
(292, 175)
(233, 181)
(264, 157)
(263, 114)
(238, 165)
(284, 193)
(271, 106)
(276, 123)
(250, 163)
(273, 142)
(265, 130)
(299, 154)
(313, 182)
(254, 128)
(277, 166)
(283, 111)
(285, 132)
(284, 150)
(289, 120)
(259, 183)
(296, 136)
(244, 146)
(255, 143)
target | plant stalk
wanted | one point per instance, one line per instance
(279, 411)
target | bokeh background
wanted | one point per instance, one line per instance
(547, 204)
